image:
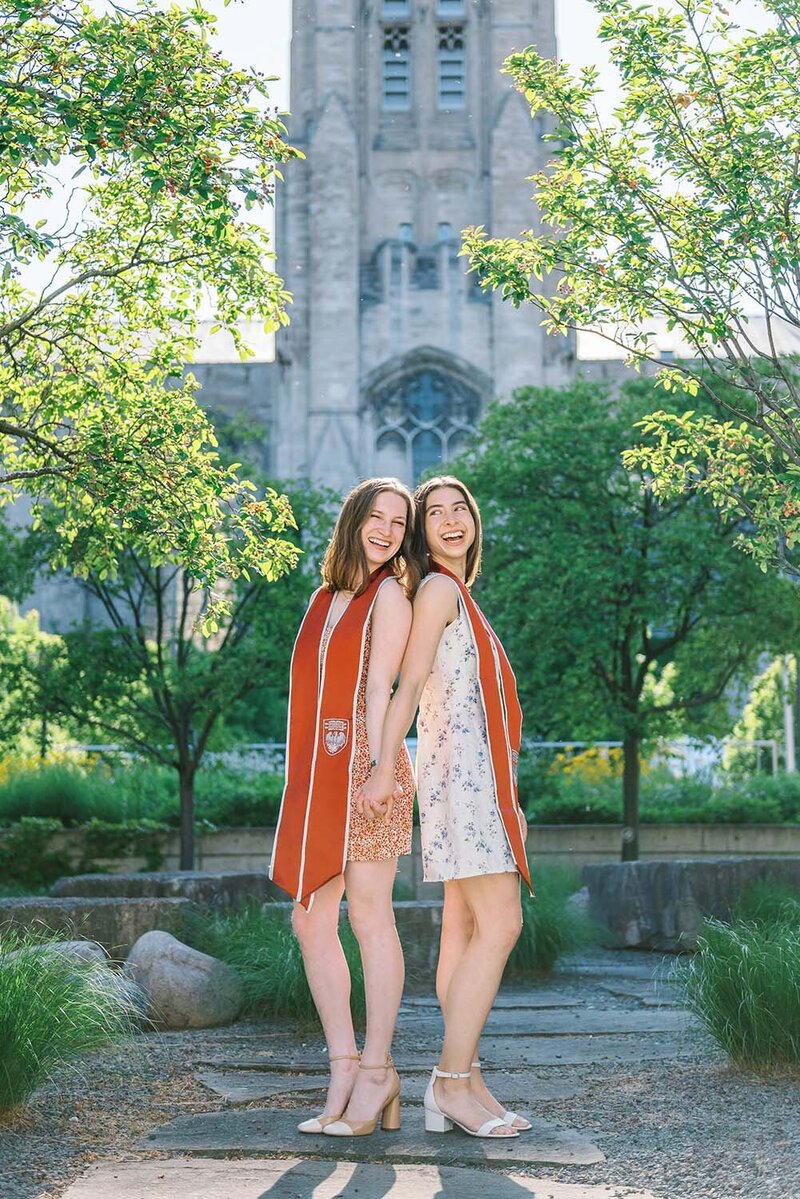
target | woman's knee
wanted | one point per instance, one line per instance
(369, 917)
(314, 927)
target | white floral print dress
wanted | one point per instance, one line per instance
(462, 832)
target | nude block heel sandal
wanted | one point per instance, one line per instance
(389, 1114)
(319, 1123)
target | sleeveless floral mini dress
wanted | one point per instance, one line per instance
(375, 840)
(462, 832)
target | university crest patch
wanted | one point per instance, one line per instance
(334, 735)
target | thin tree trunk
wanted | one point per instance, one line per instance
(630, 798)
(186, 779)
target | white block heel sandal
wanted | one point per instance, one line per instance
(438, 1121)
(524, 1124)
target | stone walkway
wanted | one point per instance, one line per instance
(538, 1043)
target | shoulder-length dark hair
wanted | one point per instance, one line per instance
(344, 567)
(421, 496)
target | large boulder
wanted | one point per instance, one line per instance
(186, 988)
(225, 888)
(662, 905)
(114, 923)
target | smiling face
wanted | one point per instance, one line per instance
(449, 528)
(383, 531)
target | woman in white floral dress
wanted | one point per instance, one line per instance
(476, 850)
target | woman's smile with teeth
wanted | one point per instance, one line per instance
(379, 541)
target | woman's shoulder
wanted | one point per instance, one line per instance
(392, 597)
(437, 591)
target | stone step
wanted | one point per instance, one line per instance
(580, 1021)
(247, 1086)
(114, 923)
(257, 1132)
(184, 1178)
(511, 1052)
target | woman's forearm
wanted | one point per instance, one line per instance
(399, 716)
(377, 705)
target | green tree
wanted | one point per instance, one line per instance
(26, 657)
(152, 682)
(682, 205)
(169, 146)
(625, 618)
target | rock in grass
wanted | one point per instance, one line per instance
(186, 988)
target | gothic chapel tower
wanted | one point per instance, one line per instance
(410, 133)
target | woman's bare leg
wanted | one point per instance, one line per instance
(493, 903)
(457, 929)
(329, 980)
(369, 906)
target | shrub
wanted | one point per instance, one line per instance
(262, 948)
(744, 985)
(26, 862)
(50, 1013)
(61, 792)
(551, 926)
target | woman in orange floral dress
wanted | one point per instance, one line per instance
(346, 659)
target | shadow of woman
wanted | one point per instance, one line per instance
(307, 1179)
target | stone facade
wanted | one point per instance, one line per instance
(410, 133)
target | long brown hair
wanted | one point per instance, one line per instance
(421, 500)
(344, 567)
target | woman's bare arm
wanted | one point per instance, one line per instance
(435, 607)
(391, 625)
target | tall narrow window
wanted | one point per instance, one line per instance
(450, 62)
(396, 70)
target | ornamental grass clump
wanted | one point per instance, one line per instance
(744, 985)
(551, 926)
(52, 1011)
(260, 945)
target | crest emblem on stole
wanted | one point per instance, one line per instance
(334, 735)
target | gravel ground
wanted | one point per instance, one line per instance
(690, 1130)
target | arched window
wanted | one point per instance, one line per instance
(422, 421)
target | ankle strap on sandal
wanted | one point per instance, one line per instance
(449, 1074)
(345, 1057)
(476, 1066)
(387, 1065)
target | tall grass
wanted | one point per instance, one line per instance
(744, 985)
(51, 1012)
(551, 926)
(260, 945)
(768, 902)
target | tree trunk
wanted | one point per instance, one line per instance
(186, 780)
(630, 798)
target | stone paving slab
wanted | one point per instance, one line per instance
(647, 993)
(582, 1021)
(507, 1052)
(247, 1086)
(602, 969)
(259, 1132)
(291, 1178)
(543, 998)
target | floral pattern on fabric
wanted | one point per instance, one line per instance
(375, 840)
(462, 832)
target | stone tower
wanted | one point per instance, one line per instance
(410, 133)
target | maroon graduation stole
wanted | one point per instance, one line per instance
(501, 706)
(311, 837)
